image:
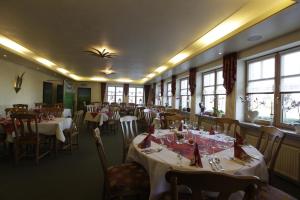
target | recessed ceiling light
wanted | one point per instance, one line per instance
(125, 80)
(13, 45)
(179, 57)
(145, 79)
(62, 70)
(161, 69)
(254, 38)
(5, 56)
(150, 75)
(44, 61)
(74, 77)
(220, 53)
(98, 79)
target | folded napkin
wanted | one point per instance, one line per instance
(211, 131)
(239, 152)
(196, 160)
(151, 129)
(180, 127)
(146, 143)
(94, 114)
(239, 139)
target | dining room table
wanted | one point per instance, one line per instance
(96, 117)
(54, 126)
(167, 152)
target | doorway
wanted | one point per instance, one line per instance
(83, 97)
(47, 93)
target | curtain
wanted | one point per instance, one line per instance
(162, 88)
(153, 93)
(146, 91)
(229, 71)
(126, 89)
(173, 85)
(103, 90)
(192, 80)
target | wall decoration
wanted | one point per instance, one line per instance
(18, 83)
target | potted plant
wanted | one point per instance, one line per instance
(252, 113)
(217, 112)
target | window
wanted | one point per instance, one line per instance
(260, 87)
(275, 79)
(136, 95)
(169, 94)
(214, 93)
(114, 94)
(185, 94)
(290, 87)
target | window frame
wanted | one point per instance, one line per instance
(188, 95)
(278, 100)
(215, 71)
(115, 93)
(135, 94)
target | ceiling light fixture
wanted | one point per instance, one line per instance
(44, 61)
(161, 69)
(178, 58)
(220, 53)
(73, 76)
(98, 79)
(62, 70)
(150, 75)
(125, 80)
(145, 79)
(13, 45)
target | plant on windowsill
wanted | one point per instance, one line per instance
(295, 105)
(252, 114)
(218, 113)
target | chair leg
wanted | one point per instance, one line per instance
(37, 154)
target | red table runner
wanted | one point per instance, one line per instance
(206, 145)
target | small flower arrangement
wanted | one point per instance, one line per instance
(253, 101)
(292, 104)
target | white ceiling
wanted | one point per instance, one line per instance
(145, 33)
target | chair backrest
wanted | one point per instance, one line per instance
(269, 143)
(91, 108)
(169, 119)
(114, 104)
(173, 110)
(59, 105)
(21, 106)
(39, 105)
(160, 108)
(56, 112)
(123, 105)
(129, 126)
(25, 124)
(77, 119)
(131, 105)
(139, 113)
(201, 181)
(227, 125)
(149, 116)
(101, 155)
(115, 113)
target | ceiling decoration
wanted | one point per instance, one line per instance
(145, 32)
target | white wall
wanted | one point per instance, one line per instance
(32, 87)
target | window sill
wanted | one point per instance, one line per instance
(289, 133)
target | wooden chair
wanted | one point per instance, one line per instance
(160, 108)
(169, 119)
(129, 179)
(269, 144)
(226, 125)
(105, 104)
(21, 106)
(203, 182)
(91, 108)
(39, 105)
(59, 106)
(173, 110)
(27, 134)
(123, 105)
(129, 131)
(72, 133)
(149, 116)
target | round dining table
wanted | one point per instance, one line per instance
(166, 153)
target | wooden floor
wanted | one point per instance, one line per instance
(71, 177)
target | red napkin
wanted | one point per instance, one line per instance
(239, 139)
(196, 160)
(180, 127)
(211, 131)
(151, 129)
(146, 143)
(239, 152)
(94, 114)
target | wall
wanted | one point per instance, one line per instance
(32, 87)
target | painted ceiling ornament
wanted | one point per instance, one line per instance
(105, 56)
(18, 83)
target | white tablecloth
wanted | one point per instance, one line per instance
(67, 113)
(157, 164)
(99, 118)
